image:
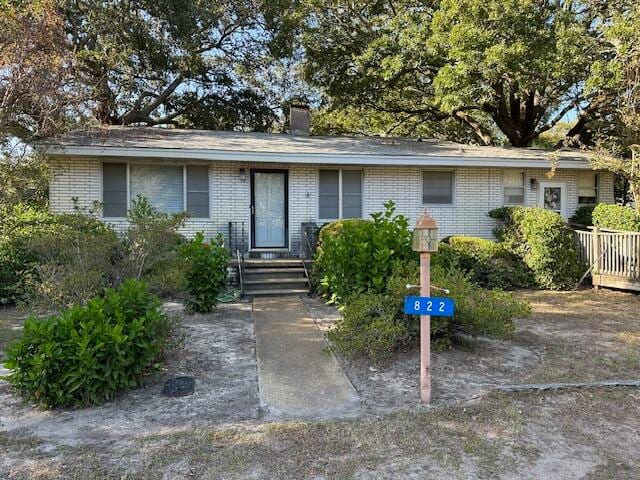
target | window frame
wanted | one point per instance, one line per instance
(128, 182)
(452, 171)
(597, 188)
(524, 189)
(340, 200)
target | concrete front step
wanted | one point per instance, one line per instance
(252, 270)
(277, 292)
(287, 273)
(275, 263)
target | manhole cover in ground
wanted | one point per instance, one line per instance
(179, 387)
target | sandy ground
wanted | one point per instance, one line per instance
(218, 350)
(468, 432)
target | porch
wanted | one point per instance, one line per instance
(611, 256)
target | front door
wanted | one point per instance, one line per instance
(269, 209)
(553, 196)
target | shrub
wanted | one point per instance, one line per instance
(53, 260)
(206, 272)
(358, 255)
(583, 216)
(88, 353)
(489, 264)
(544, 241)
(151, 239)
(478, 311)
(616, 217)
(369, 327)
(374, 325)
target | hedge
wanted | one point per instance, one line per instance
(616, 217)
(544, 242)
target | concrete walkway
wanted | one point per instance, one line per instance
(297, 378)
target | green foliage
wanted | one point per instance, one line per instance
(583, 216)
(616, 217)
(358, 255)
(203, 64)
(489, 264)
(544, 242)
(370, 326)
(151, 239)
(374, 325)
(52, 259)
(207, 271)
(88, 353)
(24, 180)
(460, 61)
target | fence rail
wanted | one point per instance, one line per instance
(612, 255)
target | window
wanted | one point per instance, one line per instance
(513, 185)
(437, 187)
(198, 191)
(169, 188)
(587, 188)
(114, 189)
(339, 194)
(162, 185)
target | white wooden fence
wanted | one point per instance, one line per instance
(612, 255)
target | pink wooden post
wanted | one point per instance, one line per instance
(425, 241)
(425, 330)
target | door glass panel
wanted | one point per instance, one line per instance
(553, 199)
(269, 224)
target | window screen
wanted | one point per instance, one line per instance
(328, 191)
(351, 194)
(513, 183)
(587, 188)
(162, 185)
(437, 187)
(198, 191)
(114, 190)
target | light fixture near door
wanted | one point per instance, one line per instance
(243, 174)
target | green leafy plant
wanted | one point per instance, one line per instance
(489, 264)
(206, 272)
(544, 242)
(90, 352)
(616, 217)
(374, 325)
(583, 216)
(358, 255)
(152, 237)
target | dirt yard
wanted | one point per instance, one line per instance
(469, 432)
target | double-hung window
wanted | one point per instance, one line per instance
(168, 188)
(437, 187)
(339, 194)
(587, 188)
(513, 187)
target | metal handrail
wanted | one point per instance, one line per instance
(240, 259)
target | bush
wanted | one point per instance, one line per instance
(88, 353)
(53, 260)
(583, 216)
(152, 239)
(206, 272)
(370, 326)
(374, 325)
(489, 264)
(544, 241)
(616, 217)
(358, 255)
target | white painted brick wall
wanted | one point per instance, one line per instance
(477, 190)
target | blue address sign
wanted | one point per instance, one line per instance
(436, 306)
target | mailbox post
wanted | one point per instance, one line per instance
(425, 241)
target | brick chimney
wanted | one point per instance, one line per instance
(299, 120)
